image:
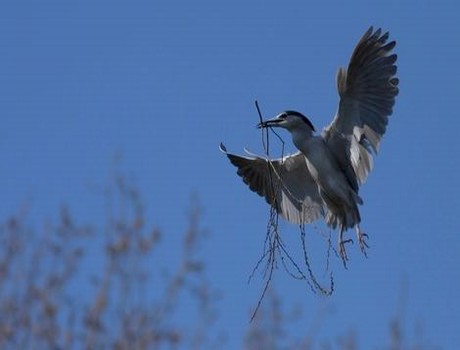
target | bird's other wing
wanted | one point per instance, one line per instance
(285, 183)
(367, 92)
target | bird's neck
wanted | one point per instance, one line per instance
(301, 138)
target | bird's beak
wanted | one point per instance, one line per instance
(275, 122)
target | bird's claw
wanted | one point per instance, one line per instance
(362, 241)
(343, 251)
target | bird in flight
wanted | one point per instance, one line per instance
(322, 179)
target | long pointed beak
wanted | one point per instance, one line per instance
(270, 123)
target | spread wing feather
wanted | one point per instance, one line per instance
(367, 92)
(285, 183)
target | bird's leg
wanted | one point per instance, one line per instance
(362, 240)
(342, 250)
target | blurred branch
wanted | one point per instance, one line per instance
(68, 285)
(47, 302)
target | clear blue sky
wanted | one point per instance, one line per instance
(165, 82)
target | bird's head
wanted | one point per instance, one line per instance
(290, 120)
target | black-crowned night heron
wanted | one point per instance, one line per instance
(323, 178)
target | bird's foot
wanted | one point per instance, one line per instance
(362, 237)
(342, 250)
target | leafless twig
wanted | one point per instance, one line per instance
(274, 245)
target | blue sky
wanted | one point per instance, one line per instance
(163, 83)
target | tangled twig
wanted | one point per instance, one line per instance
(273, 244)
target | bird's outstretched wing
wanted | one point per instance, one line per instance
(367, 92)
(285, 183)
